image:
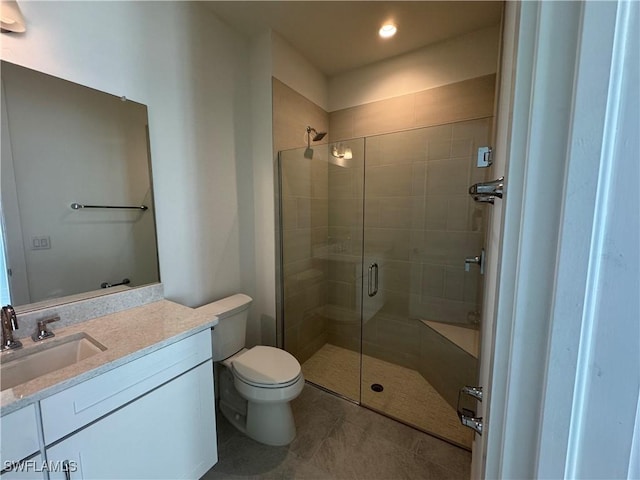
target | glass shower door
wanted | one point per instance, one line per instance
(321, 219)
(420, 311)
(376, 303)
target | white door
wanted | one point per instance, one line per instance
(493, 241)
(15, 270)
(562, 349)
(536, 84)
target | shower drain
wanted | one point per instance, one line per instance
(376, 387)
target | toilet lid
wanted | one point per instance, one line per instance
(267, 365)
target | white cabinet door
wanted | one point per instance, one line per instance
(18, 435)
(168, 433)
(30, 469)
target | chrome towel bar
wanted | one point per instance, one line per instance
(78, 206)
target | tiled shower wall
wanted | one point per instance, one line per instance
(305, 230)
(420, 222)
(304, 219)
(416, 217)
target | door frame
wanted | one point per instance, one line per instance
(570, 57)
(10, 220)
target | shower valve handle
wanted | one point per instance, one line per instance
(478, 260)
(469, 260)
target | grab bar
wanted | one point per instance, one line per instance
(78, 206)
(125, 281)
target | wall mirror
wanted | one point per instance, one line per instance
(77, 199)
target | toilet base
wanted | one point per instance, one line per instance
(270, 423)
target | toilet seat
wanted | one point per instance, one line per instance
(266, 367)
(265, 385)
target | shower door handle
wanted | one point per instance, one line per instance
(372, 289)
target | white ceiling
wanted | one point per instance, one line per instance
(337, 36)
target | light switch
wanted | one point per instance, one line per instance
(42, 242)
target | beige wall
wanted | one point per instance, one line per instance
(468, 56)
(294, 70)
(292, 113)
(459, 101)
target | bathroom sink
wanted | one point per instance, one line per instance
(20, 366)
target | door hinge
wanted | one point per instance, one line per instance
(468, 417)
(471, 422)
(485, 157)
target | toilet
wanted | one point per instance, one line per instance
(255, 385)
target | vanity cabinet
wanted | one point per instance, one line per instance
(168, 433)
(77, 406)
(150, 418)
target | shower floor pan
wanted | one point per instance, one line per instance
(407, 395)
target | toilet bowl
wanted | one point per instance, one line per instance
(256, 384)
(267, 379)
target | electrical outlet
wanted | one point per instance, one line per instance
(41, 243)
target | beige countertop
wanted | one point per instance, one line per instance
(127, 335)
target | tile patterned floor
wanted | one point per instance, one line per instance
(406, 396)
(339, 440)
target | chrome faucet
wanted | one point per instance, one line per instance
(42, 332)
(9, 324)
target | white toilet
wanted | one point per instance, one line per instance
(255, 385)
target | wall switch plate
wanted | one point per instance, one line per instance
(41, 243)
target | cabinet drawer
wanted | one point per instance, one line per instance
(73, 408)
(19, 435)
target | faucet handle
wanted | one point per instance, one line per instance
(42, 332)
(9, 316)
(9, 323)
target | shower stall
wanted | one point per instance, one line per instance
(377, 302)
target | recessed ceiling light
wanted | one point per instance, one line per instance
(387, 30)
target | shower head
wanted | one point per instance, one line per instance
(317, 135)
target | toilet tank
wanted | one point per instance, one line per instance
(228, 336)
